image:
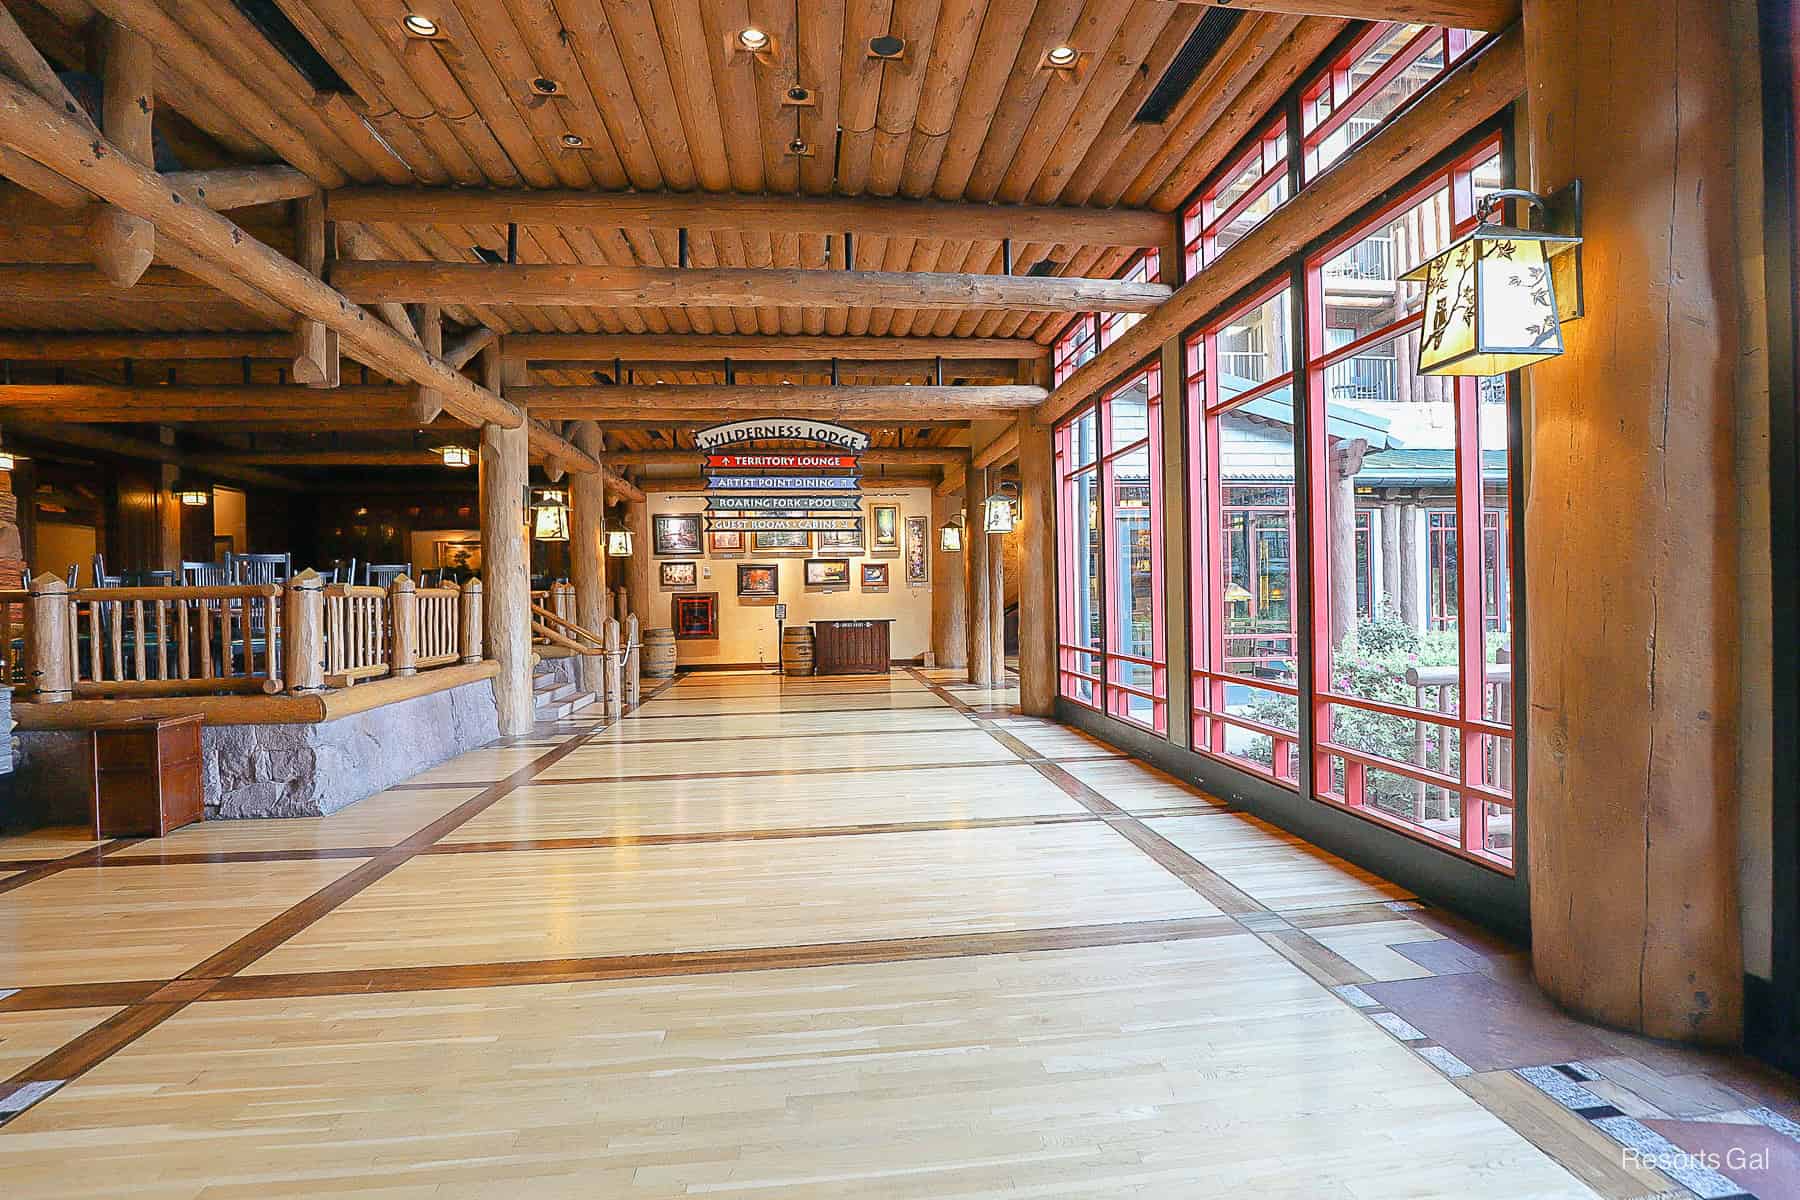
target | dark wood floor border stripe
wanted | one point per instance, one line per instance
(207, 857)
(88, 1049)
(777, 737)
(786, 772)
(780, 834)
(640, 715)
(56, 866)
(48, 997)
(715, 962)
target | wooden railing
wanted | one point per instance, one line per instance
(357, 645)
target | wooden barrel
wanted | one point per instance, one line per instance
(659, 653)
(797, 650)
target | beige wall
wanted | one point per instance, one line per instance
(60, 547)
(747, 627)
(230, 518)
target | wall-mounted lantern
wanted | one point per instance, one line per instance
(550, 514)
(618, 543)
(191, 494)
(455, 456)
(1002, 511)
(9, 460)
(1491, 302)
(950, 535)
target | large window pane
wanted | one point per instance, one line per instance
(1254, 348)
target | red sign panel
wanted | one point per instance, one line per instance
(782, 462)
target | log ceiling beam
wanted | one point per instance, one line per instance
(1458, 14)
(27, 346)
(920, 456)
(220, 189)
(686, 402)
(108, 404)
(673, 287)
(628, 348)
(108, 442)
(828, 215)
(1469, 94)
(329, 458)
(62, 142)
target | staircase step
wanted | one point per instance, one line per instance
(560, 708)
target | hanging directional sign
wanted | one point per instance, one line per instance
(782, 483)
(824, 524)
(803, 461)
(784, 503)
(782, 429)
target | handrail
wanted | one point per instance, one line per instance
(595, 644)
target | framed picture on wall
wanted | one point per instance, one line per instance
(874, 577)
(884, 528)
(759, 581)
(460, 556)
(827, 572)
(731, 542)
(918, 551)
(679, 574)
(675, 533)
(782, 541)
(695, 615)
(839, 541)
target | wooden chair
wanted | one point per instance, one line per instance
(205, 574)
(382, 574)
(74, 574)
(260, 568)
(159, 578)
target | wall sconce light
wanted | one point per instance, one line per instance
(1002, 511)
(455, 456)
(9, 460)
(950, 535)
(1491, 303)
(550, 514)
(191, 494)
(618, 543)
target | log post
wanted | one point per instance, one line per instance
(1037, 570)
(622, 601)
(1630, 541)
(506, 561)
(997, 606)
(587, 549)
(642, 562)
(949, 595)
(426, 403)
(468, 621)
(975, 568)
(403, 609)
(49, 650)
(317, 360)
(613, 693)
(1346, 460)
(124, 245)
(303, 632)
(634, 651)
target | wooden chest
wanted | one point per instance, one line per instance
(148, 777)
(851, 647)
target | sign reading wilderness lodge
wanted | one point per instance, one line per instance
(763, 492)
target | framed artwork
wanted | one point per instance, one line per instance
(884, 527)
(460, 556)
(759, 580)
(918, 551)
(725, 543)
(827, 572)
(839, 541)
(695, 615)
(782, 541)
(675, 533)
(679, 574)
(874, 577)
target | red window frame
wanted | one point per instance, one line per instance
(1474, 735)
(1090, 333)
(1112, 692)
(1205, 219)
(1209, 626)
(1145, 268)
(1333, 99)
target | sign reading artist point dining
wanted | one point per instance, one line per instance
(764, 491)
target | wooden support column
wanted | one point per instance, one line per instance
(975, 556)
(426, 402)
(317, 359)
(587, 551)
(1037, 570)
(640, 565)
(124, 245)
(506, 562)
(1630, 545)
(1346, 461)
(949, 593)
(1411, 581)
(997, 607)
(1391, 572)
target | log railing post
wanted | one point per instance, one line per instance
(468, 621)
(303, 630)
(403, 607)
(49, 666)
(633, 663)
(614, 669)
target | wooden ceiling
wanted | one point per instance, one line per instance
(661, 98)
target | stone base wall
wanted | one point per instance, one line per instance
(279, 770)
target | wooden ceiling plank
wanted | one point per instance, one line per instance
(603, 71)
(494, 71)
(823, 41)
(902, 82)
(1003, 52)
(734, 90)
(775, 69)
(543, 35)
(953, 46)
(665, 114)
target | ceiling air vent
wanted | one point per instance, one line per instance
(1189, 61)
(286, 37)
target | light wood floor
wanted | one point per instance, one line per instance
(861, 937)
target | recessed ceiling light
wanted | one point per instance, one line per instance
(573, 141)
(887, 46)
(799, 147)
(419, 26)
(753, 39)
(545, 86)
(1062, 56)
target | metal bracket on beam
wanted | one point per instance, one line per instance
(937, 372)
(512, 243)
(834, 372)
(681, 248)
(849, 251)
(730, 373)
(1006, 256)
